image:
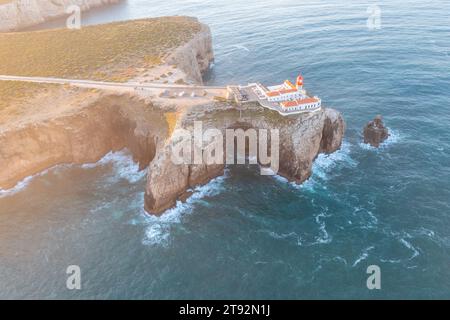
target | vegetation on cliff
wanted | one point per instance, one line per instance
(114, 51)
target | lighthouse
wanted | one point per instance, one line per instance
(299, 83)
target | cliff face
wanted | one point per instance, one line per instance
(21, 14)
(111, 123)
(301, 137)
(195, 57)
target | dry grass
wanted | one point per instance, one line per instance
(110, 49)
(111, 52)
(5, 1)
(12, 92)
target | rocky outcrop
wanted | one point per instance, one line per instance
(375, 132)
(301, 139)
(111, 123)
(20, 14)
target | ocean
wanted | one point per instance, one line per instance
(246, 236)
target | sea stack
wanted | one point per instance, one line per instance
(375, 132)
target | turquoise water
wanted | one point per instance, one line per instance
(248, 236)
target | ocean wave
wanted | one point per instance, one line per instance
(21, 185)
(122, 161)
(18, 187)
(123, 164)
(157, 230)
(323, 165)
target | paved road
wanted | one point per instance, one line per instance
(96, 84)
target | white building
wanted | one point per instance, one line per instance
(286, 91)
(286, 98)
(306, 104)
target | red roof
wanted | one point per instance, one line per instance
(273, 93)
(290, 104)
(285, 91)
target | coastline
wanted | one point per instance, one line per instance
(83, 125)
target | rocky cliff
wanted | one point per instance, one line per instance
(19, 14)
(84, 134)
(110, 123)
(65, 127)
(301, 139)
(194, 57)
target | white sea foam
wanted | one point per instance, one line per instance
(122, 161)
(25, 182)
(324, 237)
(123, 164)
(410, 247)
(327, 162)
(322, 166)
(17, 188)
(285, 236)
(358, 211)
(363, 256)
(157, 230)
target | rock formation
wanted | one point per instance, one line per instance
(375, 132)
(302, 137)
(20, 14)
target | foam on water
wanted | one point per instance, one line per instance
(325, 163)
(410, 247)
(324, 237)
(363, 256)
(20, 186)
(123, 164)
(322, 167)
(122, 161)
(157, 231)
(297, 239)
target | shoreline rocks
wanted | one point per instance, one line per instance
(375, 132)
